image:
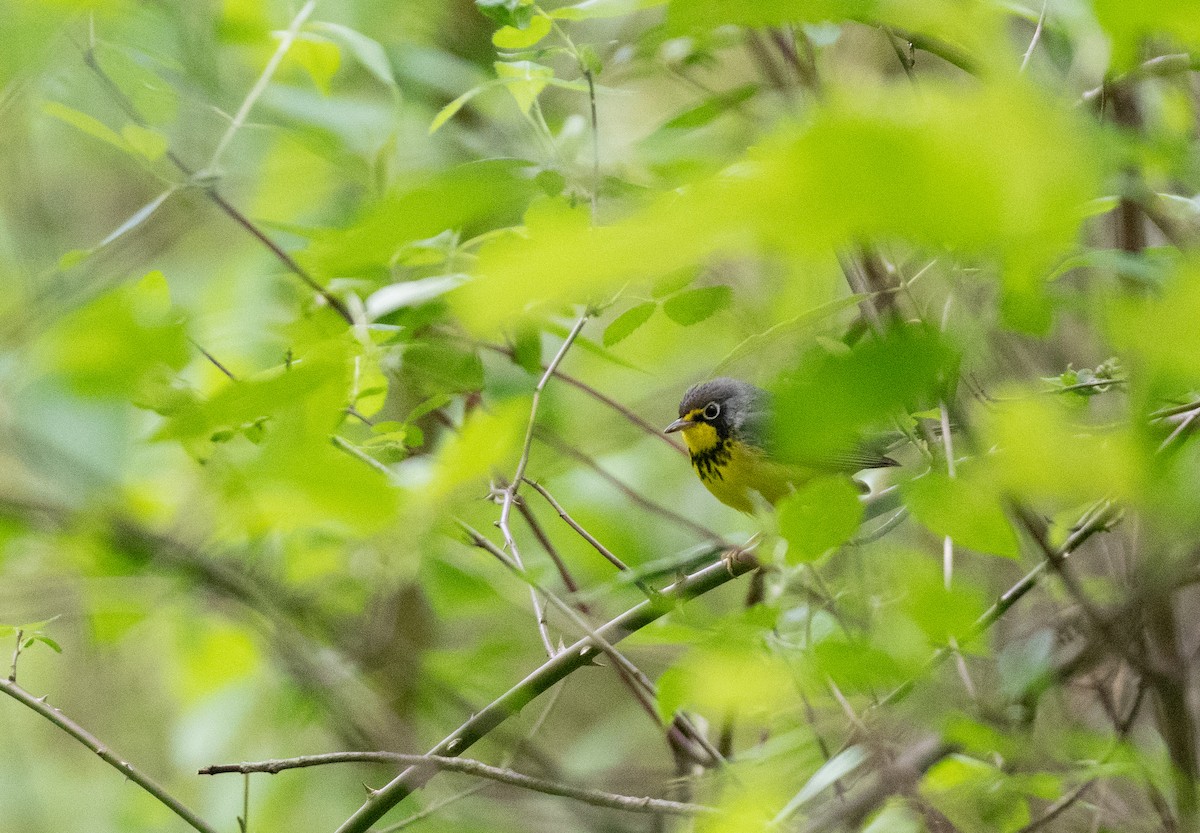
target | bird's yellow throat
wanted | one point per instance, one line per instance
(700, 437)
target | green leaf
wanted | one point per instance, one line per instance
(447, 368)
(527, 350)
(696, 305)
(832, 771)
(966, 508)
(467, 198)
(688, 15)
(819, 516)
(87, 124)
(1129, 24)
(627, 322)
(1026, 666)
(50, 643)
(510, 37)
(525, 80)
(146, 142)
(119, 345)
(446, 113)
(410, 294)
(711, 108)
(515, 13)
(856, 666)
(155, 100)
(825, 405)
(673, 282)
(319, 56)
(251, 399)
(367, 51)
(944, 614)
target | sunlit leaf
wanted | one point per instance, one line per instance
(510, 37)
(367, 51)
(149, 143)
(87, 124)
(819, 516)
(1044, 450)
(695, 305)
(628, 322)
(968, 509)
(319, 56)
(525, 80)
(118, 343)
(515, 13)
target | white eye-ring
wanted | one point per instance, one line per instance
(712, 410)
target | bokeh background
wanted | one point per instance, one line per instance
(280, 279)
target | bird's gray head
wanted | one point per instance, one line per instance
(729, 405)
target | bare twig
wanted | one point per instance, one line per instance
(210, 190)
(535, 527)
(891, 779)
(506, 761)
(510, 493)
(1096, 519)
(598, 396)
(682, 521)
(213, 360)
(55, 716)
(571, 522)
(595, 195)
(468, 766)
(1158, 66)
(1037, 34)
(260, 86)
(563, 664)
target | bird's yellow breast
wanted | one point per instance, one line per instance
(734, 471)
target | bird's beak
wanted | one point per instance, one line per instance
(678, 425)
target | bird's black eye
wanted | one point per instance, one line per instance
(712, 410)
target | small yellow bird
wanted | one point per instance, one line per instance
(726, 424)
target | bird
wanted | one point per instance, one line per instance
(726, 424)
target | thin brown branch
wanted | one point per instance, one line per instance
(55, 716)
(210, 190)
(628, 491)
(591, 539)
(468, 766)
(599, 397)
(539, 533)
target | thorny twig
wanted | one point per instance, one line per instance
(468, 766)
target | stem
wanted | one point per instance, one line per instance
(55, 716)
(562, 665)
(285, 43)
(479, 769)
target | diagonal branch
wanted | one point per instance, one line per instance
(260, 86)
(560, 666)
(210, 190)
(55, 716)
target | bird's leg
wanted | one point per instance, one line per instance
(739, 560)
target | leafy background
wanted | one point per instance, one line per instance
(281, 280)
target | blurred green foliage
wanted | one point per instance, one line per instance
(281, 281)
